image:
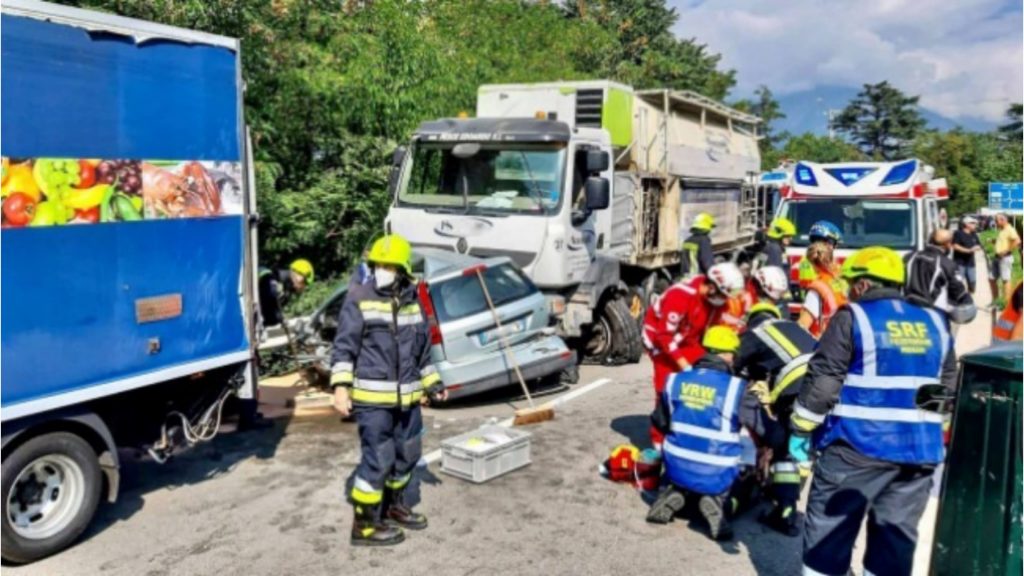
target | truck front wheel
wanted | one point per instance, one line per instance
(51, 487)
(614, 337)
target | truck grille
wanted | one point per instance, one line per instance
(588, 107)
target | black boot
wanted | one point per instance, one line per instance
(668, 504)
(398, 513)
(368, 530)
(782, 519)
(712, 510)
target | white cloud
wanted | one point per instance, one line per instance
(963, 57)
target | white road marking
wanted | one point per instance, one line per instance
(435, 455)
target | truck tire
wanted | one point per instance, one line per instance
(51, 488)
(614, 337)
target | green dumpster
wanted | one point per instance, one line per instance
(979, 521)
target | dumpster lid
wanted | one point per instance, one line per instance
(1008, 356)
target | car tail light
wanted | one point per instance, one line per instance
(428, 309)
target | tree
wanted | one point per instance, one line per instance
(647, 53)
(969, 161)
(813, 148)
(768, 109)
(881, 121)
(1014, 129)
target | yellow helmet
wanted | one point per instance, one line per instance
(703, 222)
(721, 339)
(876, 262)
(392, 249)
(781, 228)
(303, 268)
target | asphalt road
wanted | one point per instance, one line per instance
(272, 502)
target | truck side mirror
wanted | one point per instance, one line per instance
(396, 169)
(598, 193)
(397, 156)
(597, 161)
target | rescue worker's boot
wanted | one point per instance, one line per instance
(718, 524)
(368, 530)
(782, 519)
(398, 513)
(668, 504)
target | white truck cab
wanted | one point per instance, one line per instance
(589, 187)
(894, 204)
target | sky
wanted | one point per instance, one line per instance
(963, 57)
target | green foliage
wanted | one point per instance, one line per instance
(812, 148)
(1014, 128)
(969, 161)
(881, 121)
(646, 53)
(768, 109)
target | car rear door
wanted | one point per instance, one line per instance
(466, 323)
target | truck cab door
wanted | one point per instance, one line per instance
(594, 225)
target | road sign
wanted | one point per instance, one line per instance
(1006, 196)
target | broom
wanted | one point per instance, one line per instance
(530, 415)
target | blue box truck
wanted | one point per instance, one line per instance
(126, 278)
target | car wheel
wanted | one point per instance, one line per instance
(614, 337)
(51, 487)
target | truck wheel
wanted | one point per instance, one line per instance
(614, 336)
(51, 487)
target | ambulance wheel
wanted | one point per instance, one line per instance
(614, 336)
(51, 487)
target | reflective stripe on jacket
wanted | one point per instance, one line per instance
(382, 348)
(792, 347)
(702, 449)
(898, 347)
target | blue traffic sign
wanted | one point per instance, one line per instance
(1008, 196)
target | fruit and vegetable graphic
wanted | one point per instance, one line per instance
(58, 191)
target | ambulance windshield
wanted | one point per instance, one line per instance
(864, 222)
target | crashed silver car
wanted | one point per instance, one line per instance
(466, 342)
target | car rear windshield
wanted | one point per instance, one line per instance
(461, 296)
(863, 222)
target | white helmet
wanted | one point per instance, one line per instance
(773, 281)
(727, 277)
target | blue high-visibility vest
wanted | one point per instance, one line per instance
(702, 451)
(898, 347)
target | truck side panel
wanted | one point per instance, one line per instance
(86, 304)
(70, 93)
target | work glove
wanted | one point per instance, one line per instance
(800, 452)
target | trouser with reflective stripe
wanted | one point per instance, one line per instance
(847, 485)
(391, 447)
(664, 366)
(785, 476)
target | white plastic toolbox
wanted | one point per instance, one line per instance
(485, 453)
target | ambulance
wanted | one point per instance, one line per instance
(894, 204)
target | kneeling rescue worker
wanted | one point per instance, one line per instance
(878, 449)
(382, 353)
(773, 356)
(699, 414)
(674, 324)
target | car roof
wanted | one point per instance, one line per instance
(431, 263)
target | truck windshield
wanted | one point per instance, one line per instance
(505, 178)
(864, 222)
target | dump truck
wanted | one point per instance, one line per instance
(589, 187)
(127, 256)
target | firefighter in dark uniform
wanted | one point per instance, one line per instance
(277, 286)
(697, 257)
(878, 448)
(773, 356)
(381, 370)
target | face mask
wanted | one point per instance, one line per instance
(384, 277)
(716, 301)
